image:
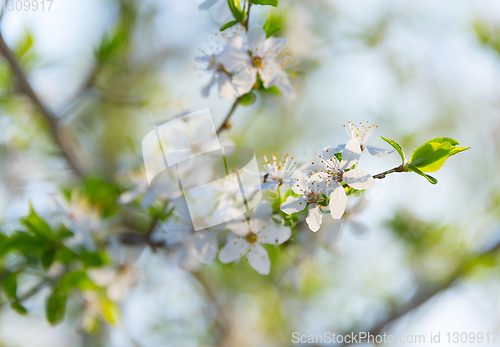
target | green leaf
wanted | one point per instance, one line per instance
(90, 259)
(417, 171)
(290, 192)
(24, 46)
(55, 307)
(37, 226)
(25, 243)
(66, 255)
(110, 45)
(9, 285)
(248, 99)
(396, 146)
(273, 3)
(103, 195)
(76, 279)
(48, 257)
(16, 306)
(228, 25)
(273, 24)
(431, 156)
(234, 6)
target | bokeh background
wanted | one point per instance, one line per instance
(428, 260)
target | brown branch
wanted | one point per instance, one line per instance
(26, 89)
(225, 123)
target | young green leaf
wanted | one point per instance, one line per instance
(16, 306)
(234, 6)
(76, 279)
(37, 226)
(248, 99)
(228, 25)
(265, 2)
(55, 307)
(431, 156)
(417, 171)
(9, 285)
(396, 146)
(273, 24)
(48, 258)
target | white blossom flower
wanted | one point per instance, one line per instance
(140, 188)
(261, 56)
(334, 172)
(278, 171)
(119, 279)
(363, 133)
(221, 10)
(310, 188)
(210, 63)
(80, 217)
(348, 221)
(191, 246)
(248, 236)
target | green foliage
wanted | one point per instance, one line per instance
(418, 172)
(9, 285)
(238, 14)
(16, 306)
(248, 99)
(55, 306)
(431, 156)
(273, 25)
(273, 3)
(103, 195)
(76, 279)
(228, 25)
(397, 147)
(38, 227)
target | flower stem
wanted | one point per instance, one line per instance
(248, 15)
(225, 123)
(382, 175)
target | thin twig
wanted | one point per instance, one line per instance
(25, 88)
(248, 15)
(225, 123)
(383, 174)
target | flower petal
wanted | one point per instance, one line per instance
(261, 217)
(359, 179)
(238, 225)
(275, 234)
(235, 60)
(350, 154)
(207, 4)
(293, 205)
(259, 259)
(378, 152)
(329, 153)
(244, 81)
(236, 42)
(338, 201)
(256, 37)
(285, 87)
(314, 218)
(206, 245)
(269, 72)
(222, 12)
(226, 89)
(273, 45)
(233, 250)
(205, 91)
